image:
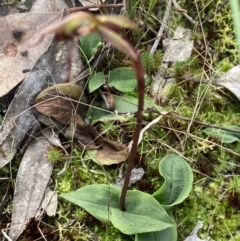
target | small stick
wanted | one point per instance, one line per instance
(72, 10)
(184, 13)
(160, 32)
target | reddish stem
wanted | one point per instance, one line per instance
(139, 72)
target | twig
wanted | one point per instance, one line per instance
(178, 8)
(196, 121)
(6, 236)
(76, 9)
(160, 32)
(144, 130)
(193, 79)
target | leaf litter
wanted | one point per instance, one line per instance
(17, 34)
(31, 182)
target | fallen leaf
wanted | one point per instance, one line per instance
(15, 55)
(49, 203)
(230, 80)
(109, 153)
(61, 101)
(32, 179)
(17, 33)
(19, 121)
(103, 151)
(85, 135)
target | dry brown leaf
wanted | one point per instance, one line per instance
(109, 153)
(85, 135)
(17, 33)
(19, 120)
(103, 151)
(32, 179)
(16, 57)
(60, 102)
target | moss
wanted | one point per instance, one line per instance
(209, 203)
(217, 24)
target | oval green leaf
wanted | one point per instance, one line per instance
(143, 214)
(90, 44)
(169, 234)
(178, 180)
(98, 199)
(125, 105)
(123, 79)
(223, 135)
(96, 81)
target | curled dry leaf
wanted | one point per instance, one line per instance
(61, 102)
(85, 135)
(110, 152)
(103, 151)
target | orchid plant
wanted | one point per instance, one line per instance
(146, 216)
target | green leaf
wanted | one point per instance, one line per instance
(96, 81)
(125, 106)
(90, 44)
(123, 79)
(143, 214)
(98, 199)
(178, 180)
(169, 234)
(223, 135)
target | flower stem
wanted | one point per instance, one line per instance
(139, 72)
